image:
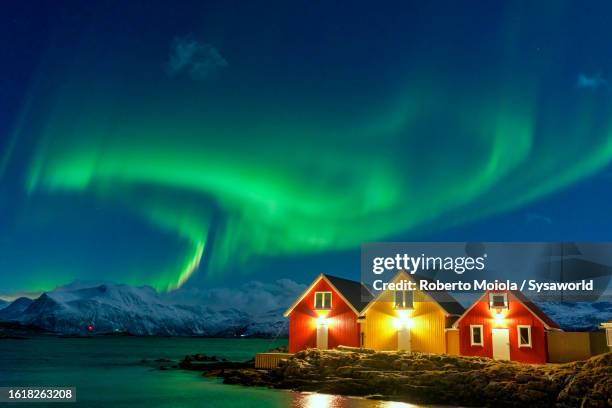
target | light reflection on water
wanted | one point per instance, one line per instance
(314, 400)
(108, 372)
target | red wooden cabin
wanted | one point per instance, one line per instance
(325, 315)
(505, 325)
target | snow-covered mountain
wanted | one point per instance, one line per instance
(254, 310)
(14, 310)
(578, 316)
(107, 308)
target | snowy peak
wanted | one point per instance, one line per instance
(107, 308)
(44, 303)
(108, 293)
(14, 310)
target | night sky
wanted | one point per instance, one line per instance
(201, 144)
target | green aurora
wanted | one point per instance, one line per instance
(287, 168)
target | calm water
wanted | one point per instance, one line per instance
(108, 372)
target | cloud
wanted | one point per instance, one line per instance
(253, 297)
(591, 82)
(191, 57)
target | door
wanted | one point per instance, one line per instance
(501, 344)
(322, 337)
(403, 339)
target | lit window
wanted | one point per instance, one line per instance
(609, 336)
(524, 336)
(404, 299)
(323, 300)
(476, 335)
(498, 300)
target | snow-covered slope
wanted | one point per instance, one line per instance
(136, 310)
(578, 316)
(14, 310)
(269, 323)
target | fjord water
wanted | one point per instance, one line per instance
(109, 372)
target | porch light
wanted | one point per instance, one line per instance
(322, 321)
(499, 319)
(403, 321)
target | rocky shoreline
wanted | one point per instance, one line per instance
(425, 378)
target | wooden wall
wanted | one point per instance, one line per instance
(427, 334)
(378, 330)
(573, 346)
(343, 328)
(480, 314)
(270, 360)
(452, 342)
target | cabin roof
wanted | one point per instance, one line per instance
(539, 313)
(355, 294)
(529, 305)
(445, 300)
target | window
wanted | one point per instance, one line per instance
(609, 336)
(404, 299)
(476, 335)
(498, 300)
(323, 300)
(524, 336)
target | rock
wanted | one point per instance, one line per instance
(204, 357)
(355, 349)
(590, 385)
(422, 378)
(344, 371)
(250, 377)
(202, 362)
(279, 349)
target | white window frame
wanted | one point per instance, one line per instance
(518, 335)
(492, 304)
(472, 327)
(323, 300)
(404, 299)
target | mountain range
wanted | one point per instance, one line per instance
(254, 309)
(112, 308)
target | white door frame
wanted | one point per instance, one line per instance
(322, 337)
(403, 339)
(500, 339)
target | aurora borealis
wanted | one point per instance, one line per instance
(153, 145)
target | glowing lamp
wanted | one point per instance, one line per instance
(499, 319)
(322, 321)
(403, 322)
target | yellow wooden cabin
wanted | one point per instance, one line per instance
(411, 320)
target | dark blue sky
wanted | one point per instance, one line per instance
(199, 143)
